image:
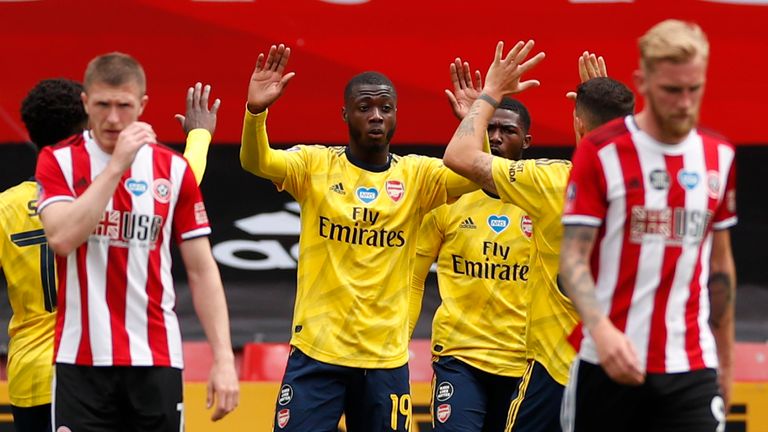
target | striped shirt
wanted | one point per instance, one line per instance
(656, 206)
(116, 297)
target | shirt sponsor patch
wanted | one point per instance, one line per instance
(201, 217)
(136, 187)
(526, 225)
(688, 179)
(367, 195)
(161, 190)
(395, 189)
(713, 184)
(659, 179)
(498, 223)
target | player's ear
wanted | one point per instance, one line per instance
(527, 141)
(344, 113)
(144, 100)
(84, 99)
(639, 78)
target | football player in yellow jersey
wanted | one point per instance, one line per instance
(361, 208)
(52, 111)
(478, 334)
(538, 187)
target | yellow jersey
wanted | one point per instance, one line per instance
(28, 264)
(482, 247)
(538, 187)
(358, 234)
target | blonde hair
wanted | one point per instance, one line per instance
(672, 40)
(115, 69)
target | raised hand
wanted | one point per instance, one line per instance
(130, 140)
(465, 91)
(198, 115)
(590, 66)
(267, 81)
(504, 74)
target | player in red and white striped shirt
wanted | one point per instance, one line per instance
(646, 254)
(112, 200)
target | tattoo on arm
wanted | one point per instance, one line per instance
(482, 172)
(467, 126)
(720, 297)
(575, 272)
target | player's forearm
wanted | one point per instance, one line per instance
(196, 151)
(722, 293)
(421, 267)
(211, 308)
(575, 273)
(256, 156)
(466, 153)
(69, 224)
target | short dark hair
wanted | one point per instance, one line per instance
(115, 69)
(600, 100)
(514, 105)
(368, 78)
(53, 111)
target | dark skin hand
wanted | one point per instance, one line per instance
(199, 115)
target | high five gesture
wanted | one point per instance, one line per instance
(268, 80)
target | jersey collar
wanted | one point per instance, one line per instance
(366, 166)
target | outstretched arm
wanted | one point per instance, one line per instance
(722, 294)
(465, 92)
(464, 153)
(615, 351)
(199, 123)
(268, 82)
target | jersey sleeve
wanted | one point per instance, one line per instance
(530, 184)
(428, 245)
(586, 200)
(298, 160)
(196, 151)
(53, 186)
(433, 182)
(725, 215)
(190, 219)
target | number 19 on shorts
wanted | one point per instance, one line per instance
(401, 408)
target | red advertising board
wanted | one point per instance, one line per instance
(217, 41)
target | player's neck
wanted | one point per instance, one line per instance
(369, 157)
(648, 124)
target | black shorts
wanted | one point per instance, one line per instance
(32, 419)
(95, 399)
(679, 402)
(465, 398)
(536, 404)
(314, 394)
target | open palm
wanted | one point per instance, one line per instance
(465, 89)
(268, 81)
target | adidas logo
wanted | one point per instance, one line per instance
(338, 188)
(468, 223)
